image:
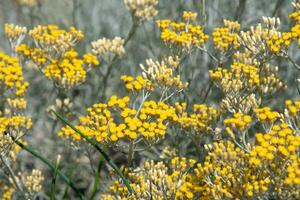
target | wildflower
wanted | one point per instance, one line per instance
(157, 180)
(32, 182)
(143, 10)
(108, 47)
(182, 35)
(226, 37)
(52, 40)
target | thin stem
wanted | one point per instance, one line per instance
(53, 184)
(101, 151)
(293, 62)
(130, 153)
(97, 178)
(209, 54)
(207, 92)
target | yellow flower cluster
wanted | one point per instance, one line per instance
(106, 47)
(163, 74)
(238, 77)
(12, 89)
(279, 42)
(291, 114)
(293, 108)
(266, 115)
(70, 70)
(11, 76)
(239, 122)
(226, 37)
(136, 84)
(264, 39)
(201, 120)
(15, 126)
(228, 172)
(182, 35)
(116, 120)
(189, 16)
(157, 181)
(242, 82)
(278, 151)
(14, 33)
(295, 16)
(54, 41)
(17, 103)
(35, 54)
(56, 57)
(6, 191)
(15, 123)
(142, 9)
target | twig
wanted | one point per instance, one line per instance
(292, 61)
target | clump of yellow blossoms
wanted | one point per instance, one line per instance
(157, 181)
(226, 37)
(115, 120)
(240, 83)
(56, 57)
(225, 174)
(239, 121)
(14, 34)
(11, 76)
(292, 108)
(240, 76)
(292, 113)
(54, 41)
(264, 39)
(142, 9)
(136, 84)
(6, 191)
(37, 56)
(266, 115)
(201, 120)
(295, 16)
(189, 16)
(163, 74)
(108, 47)
(280, 144)
(70, 70)
(12, 87)
(182, 35)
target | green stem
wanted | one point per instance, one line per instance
(52, 167)
(130, 154)
(97, 178)
(101, 151)
(53, 184)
